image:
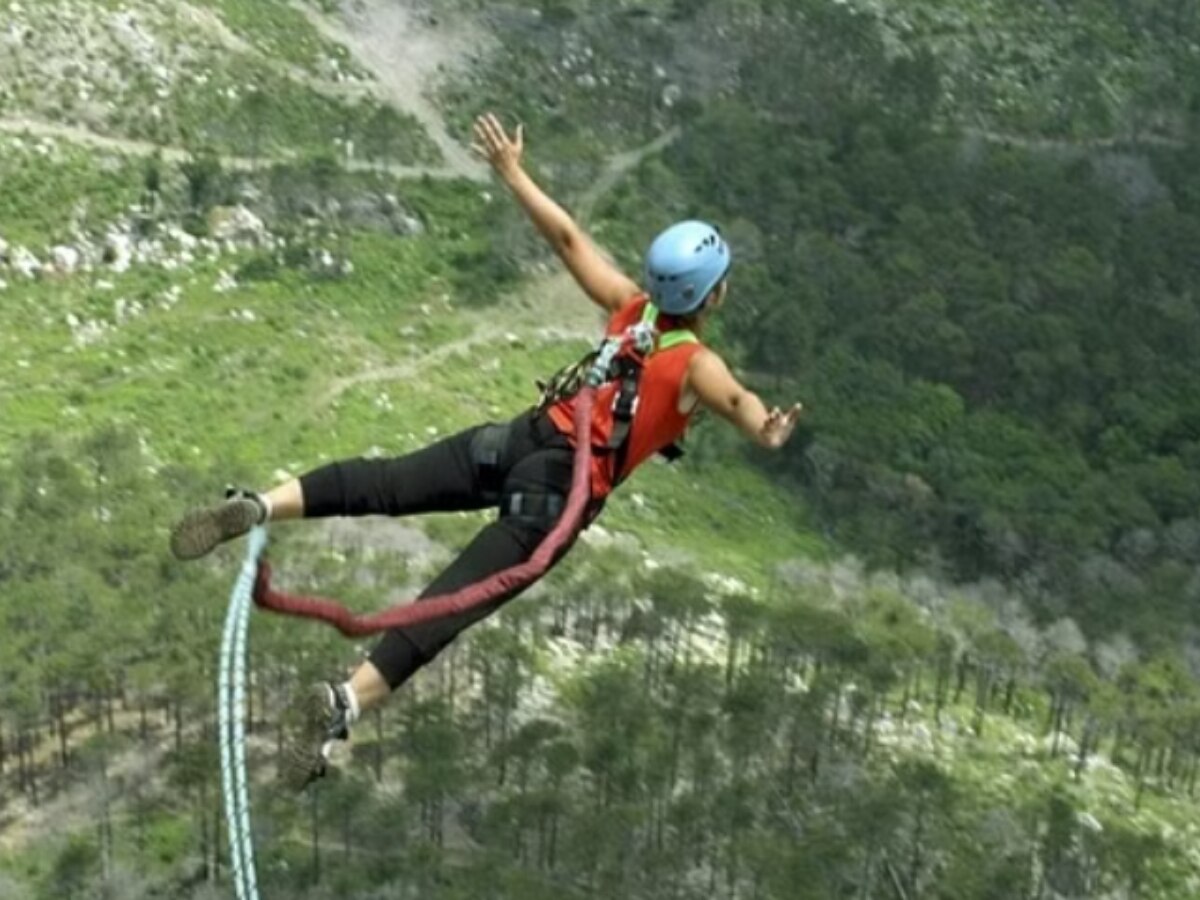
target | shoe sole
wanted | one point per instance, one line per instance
(201, 530)
(306, 729)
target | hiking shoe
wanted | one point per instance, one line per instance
(316, 718)
(200, 530)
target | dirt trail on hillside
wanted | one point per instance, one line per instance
(617, 168)
(549, 307)
(1073, 145)
(404, 51)
(23, 126)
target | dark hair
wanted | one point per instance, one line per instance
(687, 321)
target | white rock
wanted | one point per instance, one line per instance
(236, 223)
(726, 584)
(1088, 821)
(89, 333)
(103, 285)
(410, 225)
(66, 259)
(638, 500)
(597, 536)
(225, 283)
(25, 262)
(183, 239)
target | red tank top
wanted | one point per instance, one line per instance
(657, 421)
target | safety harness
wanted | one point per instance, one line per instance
(619, 358)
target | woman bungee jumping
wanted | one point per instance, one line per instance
(522, 468)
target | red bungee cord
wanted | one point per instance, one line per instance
(501, 583)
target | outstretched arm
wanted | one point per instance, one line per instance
(711, 381)
(607, 285)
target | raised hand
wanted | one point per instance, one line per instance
(779, 425)
(494, 144)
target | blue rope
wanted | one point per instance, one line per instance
(231, 694)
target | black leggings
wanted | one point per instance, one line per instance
(534, 459)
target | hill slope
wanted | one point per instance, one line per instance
(709, 699)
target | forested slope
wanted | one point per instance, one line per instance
(943, 646)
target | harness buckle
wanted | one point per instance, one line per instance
(546, 507)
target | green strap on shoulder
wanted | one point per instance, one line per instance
(672, 338)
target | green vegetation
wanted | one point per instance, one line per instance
(281, 32)
(249, 109)
(996, 339)
(254, 79)
(627, 727)
(995, 343)
(45, 193)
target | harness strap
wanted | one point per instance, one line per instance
(547, 505)
(626, 401)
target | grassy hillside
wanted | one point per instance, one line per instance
(711, 697)
(254, 79)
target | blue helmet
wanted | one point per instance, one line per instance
(684, 264)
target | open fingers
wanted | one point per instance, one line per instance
(488, 134)
(496, 130)
(481, 134)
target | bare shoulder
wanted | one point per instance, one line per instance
(706, 364)
(709, 378)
